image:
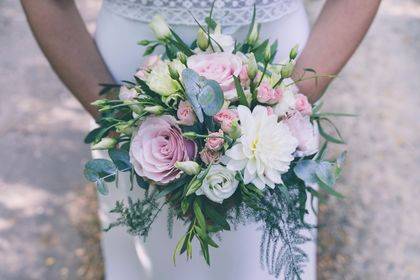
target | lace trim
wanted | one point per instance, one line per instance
(227, 12)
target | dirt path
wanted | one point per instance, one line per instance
(48, 225)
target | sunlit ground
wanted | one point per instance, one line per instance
(48, 225)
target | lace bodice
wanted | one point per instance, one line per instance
(227, 12)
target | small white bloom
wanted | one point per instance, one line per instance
(219, 184)
(189, 167)
(160, 27)
(287, 103)
(265, 149)
(225, 41)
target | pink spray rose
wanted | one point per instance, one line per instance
(209, 156)
(185, 113)
(305, 132)
(267, 95)
(303, 105)
(127, 94)
(225, 117)
(264, 92)
(157, 146)
(243, 76)
(220, 67)
(214, 142)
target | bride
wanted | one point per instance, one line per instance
(83, 63)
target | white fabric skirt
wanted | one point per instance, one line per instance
(126, 257)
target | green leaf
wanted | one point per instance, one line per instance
(171, 187)
(251, 25)
(240, 92)
(141, 182)
(180, 44)
(101, 187)
(199, 215)
(216, 217)
(329, 189)
(150, 49)
(178, 248)
(211, 98)
(210, 23)
(121, 159)
(327, 136)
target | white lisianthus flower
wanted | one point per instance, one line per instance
(160, 28)
(160, 81)
(225, 41)
(288, 102)
(219, 184)
(264, 150)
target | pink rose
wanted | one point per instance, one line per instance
(185, 113)
(209, 156)
(220, 67)
(264, 92)
(225, 117)
(157, 146)
(303, 105)
(305, 132)
(214, 142)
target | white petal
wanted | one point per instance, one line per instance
(258, 183)
(236, 165)
(236, 152)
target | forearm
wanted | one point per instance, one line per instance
(71, 51)
(335, 36)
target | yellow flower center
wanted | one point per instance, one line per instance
(254, 144)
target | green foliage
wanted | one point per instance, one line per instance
(100, 171)
(138, 216)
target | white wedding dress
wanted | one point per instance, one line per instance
(120, 25)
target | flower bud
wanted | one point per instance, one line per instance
(190, 135)
(125, 128)
(182, 57)
(294, 52)
(253, 36)
(235, 130)
(202, 39)
(189, 167)
(143, 42)
(287, 70)
(137, 108)
(99, 102)
(156, 109)
(267, 54)
(173, 72)
(160, 28)
(252, 67)
(105, 144)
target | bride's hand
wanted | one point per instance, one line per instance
(63, 37)
(335, 36)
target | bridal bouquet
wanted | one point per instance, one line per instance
(218, 133)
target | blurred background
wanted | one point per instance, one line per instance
(48, 223)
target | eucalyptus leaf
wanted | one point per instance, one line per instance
(211, 98)
(101, 187)
(306, 171)
(191, 81)
(121, 159)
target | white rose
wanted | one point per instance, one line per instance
(160, 81)
(219, 184)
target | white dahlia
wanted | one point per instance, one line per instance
(264, 150)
